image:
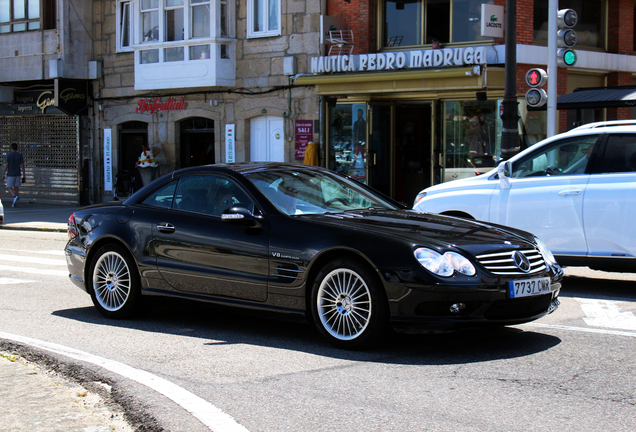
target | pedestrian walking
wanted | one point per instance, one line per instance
(13, 166)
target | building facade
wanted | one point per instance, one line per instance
(401, 94)
(425, 80)
(201, 81)
(45, 49)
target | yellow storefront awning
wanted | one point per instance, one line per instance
(431, 81)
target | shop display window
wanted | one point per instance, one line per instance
(348, 140)
(471, 138)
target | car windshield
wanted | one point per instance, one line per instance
(309, 192)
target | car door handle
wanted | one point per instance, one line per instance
(165, 227)
(570, 192)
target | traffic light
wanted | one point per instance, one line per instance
(566, 37)
(536, 97)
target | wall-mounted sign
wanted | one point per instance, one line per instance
(230, 150)
(108, 160)
(416, 59)
(492, 20)
(151, 106)
(70, 95)
(304, 133)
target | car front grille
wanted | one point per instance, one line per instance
(503, 263)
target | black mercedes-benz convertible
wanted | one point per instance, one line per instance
(304, 240)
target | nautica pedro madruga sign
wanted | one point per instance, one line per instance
(445, 57)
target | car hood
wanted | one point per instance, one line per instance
(429, 229)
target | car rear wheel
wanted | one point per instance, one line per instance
(348, 306)
(115, 282)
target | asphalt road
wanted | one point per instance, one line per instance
(184, 366)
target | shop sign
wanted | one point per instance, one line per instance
(416, 59)
(71, 96)
(230, 151)
(33, 102)
(108, 160)
(303, 135)
(147, 106)
(492, 20)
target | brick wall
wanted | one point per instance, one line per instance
(360, 16)
(621, 26)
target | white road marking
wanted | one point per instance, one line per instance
(607, 314)
(31, 260)
(11, 281)
(33, 270)
(581, 329)
(211, 416)
(45, 252)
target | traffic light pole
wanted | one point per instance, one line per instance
(510, 115)
(553, 7)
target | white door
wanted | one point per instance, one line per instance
(546, 194)
(609, 207)
(267, 139)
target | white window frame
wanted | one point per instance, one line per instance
(251, 19)
(131, 27)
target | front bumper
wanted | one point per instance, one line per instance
(424, 309)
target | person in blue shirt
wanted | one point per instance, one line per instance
(13, 166)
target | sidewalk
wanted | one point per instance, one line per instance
(35, 217)
(32, 398)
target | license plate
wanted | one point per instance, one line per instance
(529, 287)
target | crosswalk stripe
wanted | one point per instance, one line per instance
(11, 281)
(31, 260)
(33, 270)
(606, 314)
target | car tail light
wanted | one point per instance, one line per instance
(72, 229)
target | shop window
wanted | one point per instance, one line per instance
(347, 140)
(26, 15)
(590, 29)
(263, 18)
(472, 138)
(426, 22)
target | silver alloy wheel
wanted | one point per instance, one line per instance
(344, 304)
(111, 281)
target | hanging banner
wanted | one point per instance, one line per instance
(304, 132)
(108, 160)
(230, 153)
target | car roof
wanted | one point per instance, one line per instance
(245, 168)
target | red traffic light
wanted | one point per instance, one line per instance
(536, 77)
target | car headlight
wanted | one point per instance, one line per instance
(545, 252)
(418, 198)
(444, 265)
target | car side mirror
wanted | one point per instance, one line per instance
(240, 216)
(504, 171)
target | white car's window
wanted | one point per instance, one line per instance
(565, 157)
(619, 154)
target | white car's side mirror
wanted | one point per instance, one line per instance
(504, 171)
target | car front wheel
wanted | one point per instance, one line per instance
(115, 282)
(348, 308)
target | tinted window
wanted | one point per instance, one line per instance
(210, 195)
(565, 157)
(162, 197)
(619, 154)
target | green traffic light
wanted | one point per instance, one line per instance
(569, 58)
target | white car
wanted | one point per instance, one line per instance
(576, 191)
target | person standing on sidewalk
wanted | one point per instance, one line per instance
(13, 166)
